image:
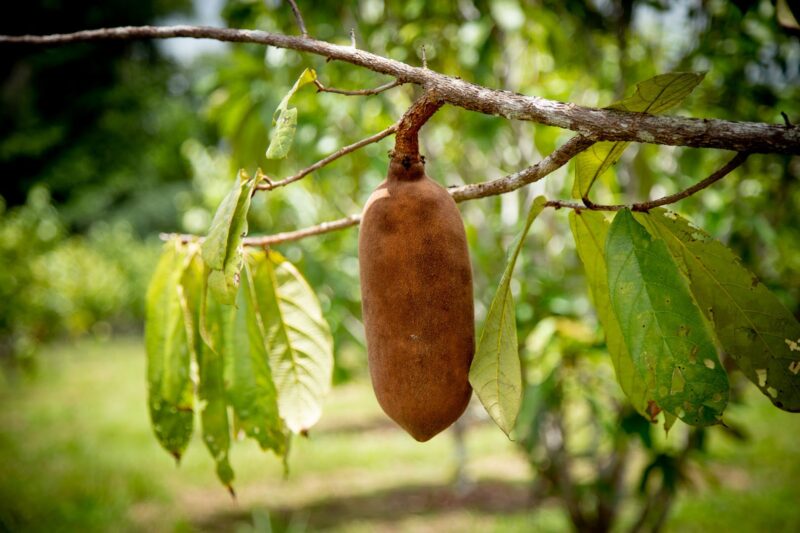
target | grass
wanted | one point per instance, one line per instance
(77, 454)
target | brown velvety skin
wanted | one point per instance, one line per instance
(416, 285)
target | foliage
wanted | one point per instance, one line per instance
(52, 284)
(586, 52)
(267, 352)
(94, 123)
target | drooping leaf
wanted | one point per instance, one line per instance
(496, 373)
(666, 335)
(284, 120)
(751, 324)
(216, 320)
(251, 389)
(222, 248)
(653, 96)
(589, 228)
(167, 342)
(298, 339)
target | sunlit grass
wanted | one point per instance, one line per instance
(77, 453)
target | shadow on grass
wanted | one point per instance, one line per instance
(390, 505)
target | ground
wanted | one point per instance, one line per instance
(77, 454)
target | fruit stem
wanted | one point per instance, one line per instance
(406, 142)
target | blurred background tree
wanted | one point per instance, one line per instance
(103, 145)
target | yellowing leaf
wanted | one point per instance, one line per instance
(298, 339)
(496, 373)
(752, 325)
(589, 229)
(285, 119)
(251, 389)
(222, 248)
(168, 334)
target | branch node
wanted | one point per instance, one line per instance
(786, 120)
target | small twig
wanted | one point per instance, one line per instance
(424, 58)
(267, 240)
(786, 120)
(729, 167)
(299, 17)
(269, 185)
(359, 92)
(353, 37)
(319, 229)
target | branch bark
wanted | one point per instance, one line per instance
(595, 124)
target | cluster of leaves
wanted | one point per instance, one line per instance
(668, 296)
(254, 329)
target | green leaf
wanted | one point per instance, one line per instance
(589, 229)
(285, 119)
(167, 342)
(251, 389)
(653, 96)
(751, 324)
(222, 248)
(660, 93)
(283, 135)
(298, 339)
(216, 321)
(496, 373)
(666, 335)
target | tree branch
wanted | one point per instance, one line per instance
(268, 186)
(729, 167)
(359, 92)
(299, 17)
(558, 158)
(325, 227)
(595, 124)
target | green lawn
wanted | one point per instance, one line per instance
(77, 454)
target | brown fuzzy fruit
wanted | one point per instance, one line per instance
(416, 285)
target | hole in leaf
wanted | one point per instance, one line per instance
(772, 392)
(709, 363)
(762, 376)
